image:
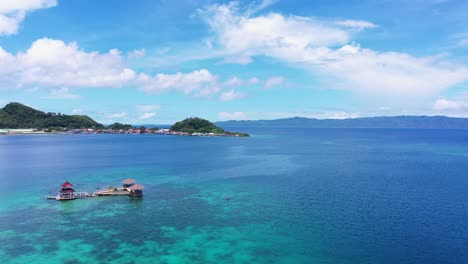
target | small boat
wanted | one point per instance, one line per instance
(227, 198)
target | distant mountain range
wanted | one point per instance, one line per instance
(429, 122)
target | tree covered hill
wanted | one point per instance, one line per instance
(196, 125)
(16, 115)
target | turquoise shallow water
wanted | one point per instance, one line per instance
(297, 196)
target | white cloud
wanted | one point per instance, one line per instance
(273, 81)
(138, 53)
(56, 64)
(236, 82)
(62, 93)
(148, 108)
(339, 115)
(448, 105)
(462, 43)
(208, 92)
(253, 80)
(185, 82)
(231, 95)
(326, 49)
(116, 115)
(13, 12)
(6, 62)
(9, 24)
(232, 116)
(146, 116)
(254, 8)
(358, 24)
(201, 83)
(241, 37)
(53, 62)
(50, 62)
(365, 70)
(77, 111)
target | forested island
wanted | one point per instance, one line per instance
(16, 115)
(16, 118)
(199, 126)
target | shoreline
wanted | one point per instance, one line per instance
(42, 133)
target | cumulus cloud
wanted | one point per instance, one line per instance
(77, 111)
(50, 62)
(447, 105)
(62, 93)
(462, 43)
(185, 82)
(358, 24)
(325, 48)
(13, 12)
(138, 53)
(146, 116)
(235, 81)
(273, 81)
(116, 115)
(241, 37)
(338, 115)
(231, 95)
(56, 64)
(199, 83)
(232, 116)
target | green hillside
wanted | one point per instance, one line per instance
(196, 125)
(16, 115)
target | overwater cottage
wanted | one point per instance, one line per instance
(66, 192)
(128, 183)
(136, 190)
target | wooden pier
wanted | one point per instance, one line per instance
(129, 189)
(113, 192)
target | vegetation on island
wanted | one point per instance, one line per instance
(194, 125)
(118, 126)
(19, 116)
(16, 115)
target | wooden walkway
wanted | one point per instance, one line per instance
(113, 192)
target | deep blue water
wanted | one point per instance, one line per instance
(297, 196)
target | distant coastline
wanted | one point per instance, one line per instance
(410, 122)
(19, 119)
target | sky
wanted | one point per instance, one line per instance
(159, 61)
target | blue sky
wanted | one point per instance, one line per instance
(157, 62)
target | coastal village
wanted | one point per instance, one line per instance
(16, 118)
(136, 131)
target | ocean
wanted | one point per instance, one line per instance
(297, 195)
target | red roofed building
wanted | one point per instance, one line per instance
(66, 192)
